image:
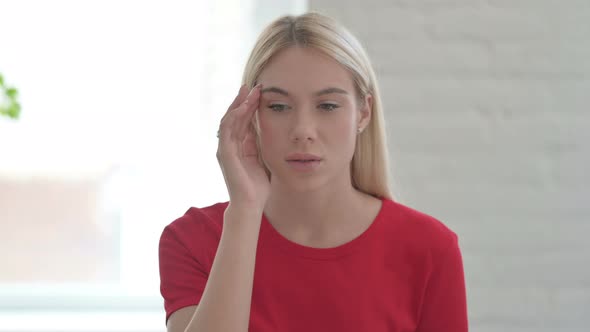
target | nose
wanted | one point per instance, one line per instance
(303, 126)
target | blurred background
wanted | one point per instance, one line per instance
(488, 111)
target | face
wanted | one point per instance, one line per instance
(309, 105)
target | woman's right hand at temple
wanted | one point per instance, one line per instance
(246, 180)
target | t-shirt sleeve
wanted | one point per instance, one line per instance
(182, 276)
(444, 306)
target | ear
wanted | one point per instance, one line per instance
(365, 112)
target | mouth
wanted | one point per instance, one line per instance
(303, 160)
(303, 157)
(304, 165)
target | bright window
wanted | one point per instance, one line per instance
(121, 101)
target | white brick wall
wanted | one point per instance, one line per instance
(488, 110)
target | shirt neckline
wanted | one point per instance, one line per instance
(277, 240)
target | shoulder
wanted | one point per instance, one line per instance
(196, 219)
(199, 227)
(417, 229)
(187, 249)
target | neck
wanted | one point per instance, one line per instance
(316, 210)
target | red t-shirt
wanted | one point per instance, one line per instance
(404, 273)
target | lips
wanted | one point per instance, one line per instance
(304, 166)
(303, 157)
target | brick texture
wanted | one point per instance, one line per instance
(487, 105)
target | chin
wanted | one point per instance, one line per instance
(300, 183)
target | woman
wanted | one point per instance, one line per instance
(310, 239)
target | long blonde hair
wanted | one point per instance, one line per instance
(369, 167)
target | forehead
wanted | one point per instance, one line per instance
(299, 68)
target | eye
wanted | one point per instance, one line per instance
(329, 106)
(278, 107)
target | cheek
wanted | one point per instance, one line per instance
(266, 120)
(267, 129)
(269, 136)
(272, 127)
(344, 138)
(263, 122)
(344, 129)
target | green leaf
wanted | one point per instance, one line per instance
(12, 108)
(14, 111)
(11, 93)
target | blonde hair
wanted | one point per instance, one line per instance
(369, 167)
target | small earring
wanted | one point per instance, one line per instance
(358, 131)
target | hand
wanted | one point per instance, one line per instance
(245, 178)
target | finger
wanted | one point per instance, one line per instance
(227, 126)
(239, 99)
(234, 117)
(245, 116)
(242, 125)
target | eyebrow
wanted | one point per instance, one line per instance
(317, 94)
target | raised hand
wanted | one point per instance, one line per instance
(247, 183)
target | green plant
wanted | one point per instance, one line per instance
(9, 105)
